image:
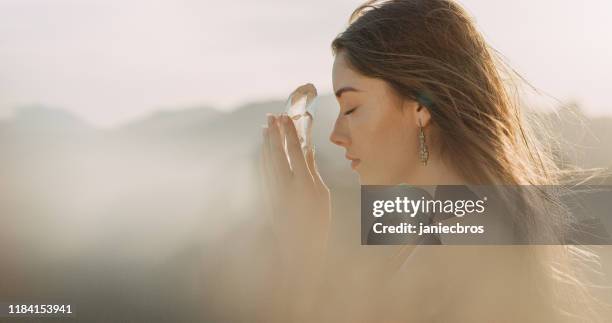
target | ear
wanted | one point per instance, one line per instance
(419, 113)
(423, 116)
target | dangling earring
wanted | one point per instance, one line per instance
(423, 152)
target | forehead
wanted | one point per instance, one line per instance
(343, 75)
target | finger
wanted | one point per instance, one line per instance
(294, 148)
(270, 178)
(309, 130)
(261, 165)
(263, 174)
(314, 170)
(277, 151)
(263, 171)
(264, 161)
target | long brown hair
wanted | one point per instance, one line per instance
(430, 51)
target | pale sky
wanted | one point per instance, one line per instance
(109, 61)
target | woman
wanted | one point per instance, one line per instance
(422, 101)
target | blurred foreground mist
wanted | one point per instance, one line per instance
(160, 219)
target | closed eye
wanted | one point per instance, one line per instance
(350, 111)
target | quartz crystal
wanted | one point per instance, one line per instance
(300, 109)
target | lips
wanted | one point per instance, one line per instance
(354, 161)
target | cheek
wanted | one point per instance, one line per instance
(381, 138)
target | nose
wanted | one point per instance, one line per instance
(340, 134)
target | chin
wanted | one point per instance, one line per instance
(364, 179)
(375, 179)
(376, 175)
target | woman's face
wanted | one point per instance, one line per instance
(376, 127)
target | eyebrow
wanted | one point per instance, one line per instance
(345, 89)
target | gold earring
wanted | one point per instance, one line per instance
(423, 153)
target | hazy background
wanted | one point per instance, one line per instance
(131, 132)
(109, 61)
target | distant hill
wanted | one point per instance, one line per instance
(171, 120)
(35, 120)
(219, 135)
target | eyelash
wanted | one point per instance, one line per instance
(350, 111)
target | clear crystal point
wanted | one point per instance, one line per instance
(301, 110)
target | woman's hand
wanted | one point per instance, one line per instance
(298, 198)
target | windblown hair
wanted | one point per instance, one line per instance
(430, 51)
